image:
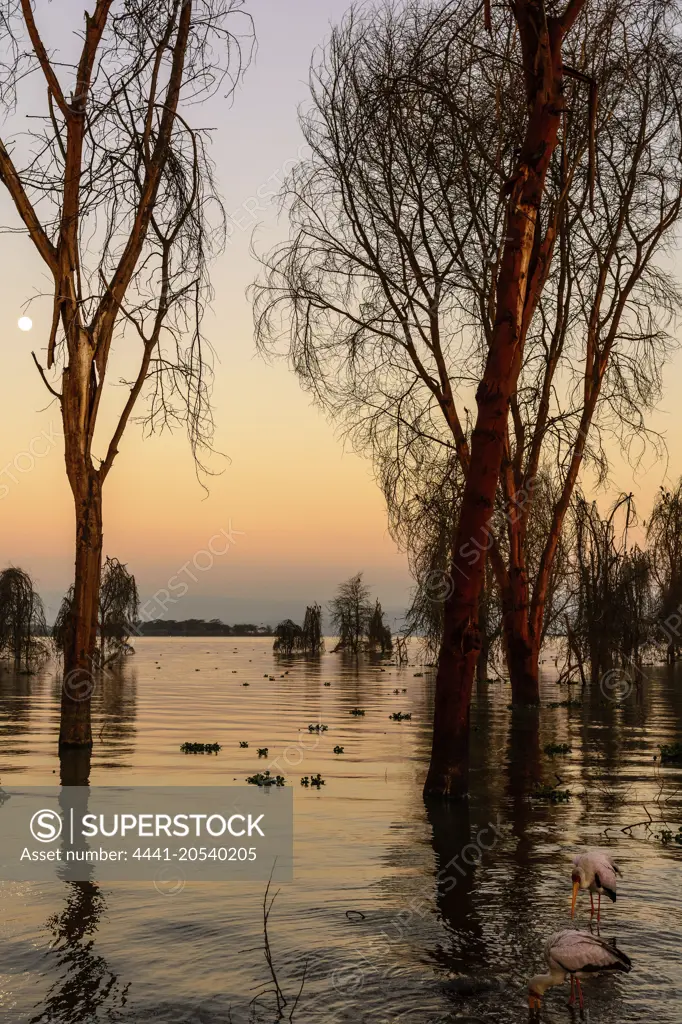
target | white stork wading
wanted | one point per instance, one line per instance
(575, 954)
(594, 870)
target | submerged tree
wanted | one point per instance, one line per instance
(22, 618)
(115, 189)
(422, 507)
(378, 632)
(288, 636)
(610, 622)
(117, 609)
(443, 240)
(664, 536)
(312, 641)
(350, 612)
(63, 624)
(118, 606)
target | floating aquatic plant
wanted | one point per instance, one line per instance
(552, 794)
(358, 712)
(200, 748)
(262, 751)
(312, 780)
(265, 779)
(399, 716)
(338, 750)
(552, 749)
(243, 743)
(317, 728)
(671, 753)
(667, 836)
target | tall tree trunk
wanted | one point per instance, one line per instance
(541, 38)
(523, 661)
(79, 655)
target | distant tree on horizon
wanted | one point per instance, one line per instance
(290, 638)
(351, 613)
(378, 633)
(288, 635)
(312, 639)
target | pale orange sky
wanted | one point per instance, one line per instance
(308, 513)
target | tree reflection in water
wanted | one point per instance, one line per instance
(85, 985)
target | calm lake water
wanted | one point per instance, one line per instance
(378, 937)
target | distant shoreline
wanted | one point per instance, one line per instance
(200, 627)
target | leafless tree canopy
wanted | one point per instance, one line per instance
(102, 176)
(383, 297)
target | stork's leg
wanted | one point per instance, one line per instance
(598, 908)
(591, 905)
(571, 1001)
(580, 993)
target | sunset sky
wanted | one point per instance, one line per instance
(308, 513)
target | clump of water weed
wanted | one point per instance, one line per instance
(265, 779)
(570, 702)
(399, 716)
(552, 794)
(358, 712)
(200, 748)
(243, 743)
(318, 728)
(667, 836)
(262, 751)
(552, 749)
(312, 780)
(338, 750)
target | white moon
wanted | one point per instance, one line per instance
(25, 323)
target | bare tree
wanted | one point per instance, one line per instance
(115, 189)
(424, 214)
(351, 611)
(378, 632)
(312, 641)
(288, 636)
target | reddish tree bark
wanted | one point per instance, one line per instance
(541, 40)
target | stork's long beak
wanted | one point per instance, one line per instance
(576, 890)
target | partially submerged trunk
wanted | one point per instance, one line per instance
(522, 646)
(521, 276)
(78, 400)
(483, 659)
(79, 655)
